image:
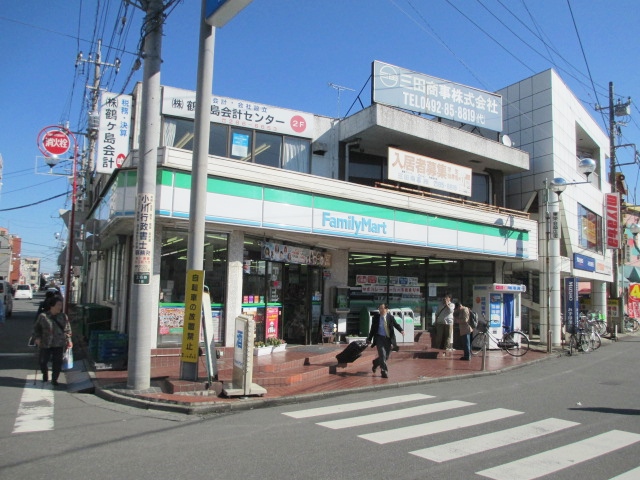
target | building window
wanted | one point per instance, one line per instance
(589, 230)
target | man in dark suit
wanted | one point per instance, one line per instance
(382, 333)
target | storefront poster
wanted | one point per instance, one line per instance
(633, 303)
(278, 252)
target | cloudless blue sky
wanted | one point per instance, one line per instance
(286, 53)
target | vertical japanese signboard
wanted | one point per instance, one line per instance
(555, 224)
(612, 212)
(113, 134)
(194, 287)
(571, 304)
(143, 238)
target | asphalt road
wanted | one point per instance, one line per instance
(566, 418)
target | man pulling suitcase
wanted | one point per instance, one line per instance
(383, 335)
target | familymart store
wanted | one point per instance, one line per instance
(278, 243)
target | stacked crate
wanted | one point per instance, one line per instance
(107, 347)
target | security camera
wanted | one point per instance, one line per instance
(52, 161)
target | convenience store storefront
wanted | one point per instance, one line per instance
(413, 254)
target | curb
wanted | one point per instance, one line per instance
(114, 396)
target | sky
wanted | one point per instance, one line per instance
(309, 55)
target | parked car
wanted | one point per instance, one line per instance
(23, 292)
(7, 297)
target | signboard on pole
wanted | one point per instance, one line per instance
(113, 133)
(571, 304)
(143, 238)
(194, 287)
(612, 212)
(219, 12)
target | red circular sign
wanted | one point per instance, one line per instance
(56, 142)
(298, 124)
(120, 160)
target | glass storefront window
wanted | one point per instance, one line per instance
(173, 271)
(589, 230)
(267, 149)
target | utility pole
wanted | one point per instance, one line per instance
(616, 292)
(92, 133)
(143, 294)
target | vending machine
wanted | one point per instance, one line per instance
(500, 306)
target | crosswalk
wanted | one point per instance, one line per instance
(35, 413)
(527, 468)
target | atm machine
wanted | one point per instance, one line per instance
(499, 304)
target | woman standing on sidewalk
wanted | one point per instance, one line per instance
(52, 333)
(461, 317)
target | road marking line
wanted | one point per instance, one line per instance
(551, 461)
(350, 407)
(394, 414)
(35, 413)
(630, 475)
(414, 431)
(490, 441)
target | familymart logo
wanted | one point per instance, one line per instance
(355, 225)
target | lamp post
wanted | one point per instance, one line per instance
(551, 334)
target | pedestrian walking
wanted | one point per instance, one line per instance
(382, 332)
(52, 334)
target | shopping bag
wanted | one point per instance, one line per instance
(67, 359)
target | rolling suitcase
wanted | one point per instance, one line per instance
(352, 352)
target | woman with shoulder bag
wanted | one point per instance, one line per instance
(52, 333)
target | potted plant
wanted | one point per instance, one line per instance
(259, 348)
(277, 344)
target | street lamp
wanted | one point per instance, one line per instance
(552, 332)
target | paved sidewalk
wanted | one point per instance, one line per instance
(301, 373)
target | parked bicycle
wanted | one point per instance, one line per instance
(582, 338)
(598, 320)
(514, 342)
(631, 324)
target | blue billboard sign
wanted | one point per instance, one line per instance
(582, 262)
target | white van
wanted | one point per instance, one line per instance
(6, 295)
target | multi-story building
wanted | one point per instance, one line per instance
(29, 271)
(385, 205)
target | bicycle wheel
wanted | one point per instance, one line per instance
(583, 342)
(515, 343)
(477, 342)
(635, 326)
(601, 327)
(595, 341)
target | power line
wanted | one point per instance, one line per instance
(34, 203)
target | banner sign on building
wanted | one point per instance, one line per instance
(113, 134)
(571, 304)
(582, 262)
(402, 88)
(278, 252)
(240, 113)
(633, 303)
(612, 212)
(428, 172)
(194, 287)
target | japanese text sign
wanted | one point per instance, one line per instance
(612, 212)
(113, 134)
(194, 287)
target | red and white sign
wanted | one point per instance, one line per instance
(54, 143)
(612, 212)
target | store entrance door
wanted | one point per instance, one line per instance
(302, 302)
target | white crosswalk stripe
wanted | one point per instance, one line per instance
(560, 458)
(535, 466)
(394, 414)
(35, 413)
(630, 475)
(490, 441)
(447, 424)
(352, 407)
